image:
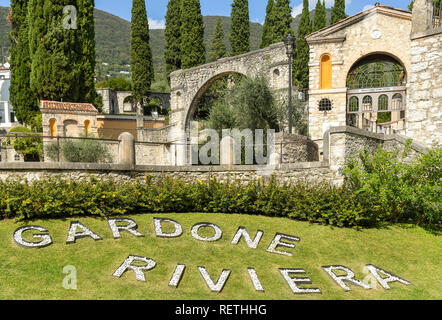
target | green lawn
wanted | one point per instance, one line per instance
(409, 252)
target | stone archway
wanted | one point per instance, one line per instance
(188, 85)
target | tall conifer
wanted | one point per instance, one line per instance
(320, 18)
(268, 25)
(172, 54)
(302, 52)
(140, 53)
(282, 15)
(240, 27)
(338, 11)
(22, 98)
(193, 50)
(218, 48)
(55, 56)
(86, 28)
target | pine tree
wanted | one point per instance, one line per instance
(140, 53)
(320, 18)
(54, 51)
(86, 28)
(240, 27)
(172, 54)
(268, 25)
(193, 50)
(282, 15)
(218, 48)
(23, 99)
(338, 11)
(301, 60)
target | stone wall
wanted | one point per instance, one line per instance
(315, 172)
(425, 88)
(343, 143)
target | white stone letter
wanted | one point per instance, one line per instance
(45, 241)
(139, 270)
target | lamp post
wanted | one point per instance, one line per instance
(289, 43)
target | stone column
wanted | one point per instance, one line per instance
(126, 149)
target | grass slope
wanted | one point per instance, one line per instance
(409, 252)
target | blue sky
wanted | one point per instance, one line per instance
(156, 9)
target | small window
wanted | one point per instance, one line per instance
(354, 104)
(383, 102)
(397, 102)
(325, 105)
(367, 103)
(17, 157)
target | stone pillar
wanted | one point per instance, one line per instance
(422, 15)
(126, 149)
(227, 147)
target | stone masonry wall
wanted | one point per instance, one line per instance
(303, 172)
(425, 89)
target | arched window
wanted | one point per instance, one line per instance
(376, 71)
(397, 102)
(53, 127)
(325, 105)
(367, 103)
(354, 104)
(276, 74)
(383, 102)
(325, 78)
(87, 127)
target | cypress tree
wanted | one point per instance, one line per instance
(23, 99)
(218, 48)
(268, 25)
(172, 54)
(302, 57)
(86, 29)
(140, 53)
(193, 50)
(338, 11)
(282, 14)
(320, 18)
(56, 70)
(240, 27)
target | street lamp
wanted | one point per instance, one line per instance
(289, 43)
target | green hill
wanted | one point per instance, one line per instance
(113, 40)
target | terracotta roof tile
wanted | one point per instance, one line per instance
(67, 106)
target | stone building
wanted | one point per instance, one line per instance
(378, 70)
(359, 68)
(7, 118)
(67, 119)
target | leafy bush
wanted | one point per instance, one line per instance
(28, 143)
(79, 150)
(378, 189)
(396, 190)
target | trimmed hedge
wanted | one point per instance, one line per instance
(379, 188)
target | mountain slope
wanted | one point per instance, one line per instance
(112, 36)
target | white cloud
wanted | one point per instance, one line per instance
(369, 6)
(157, 24)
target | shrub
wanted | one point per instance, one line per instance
(394, 190)
(79, 150)
(27, 143)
